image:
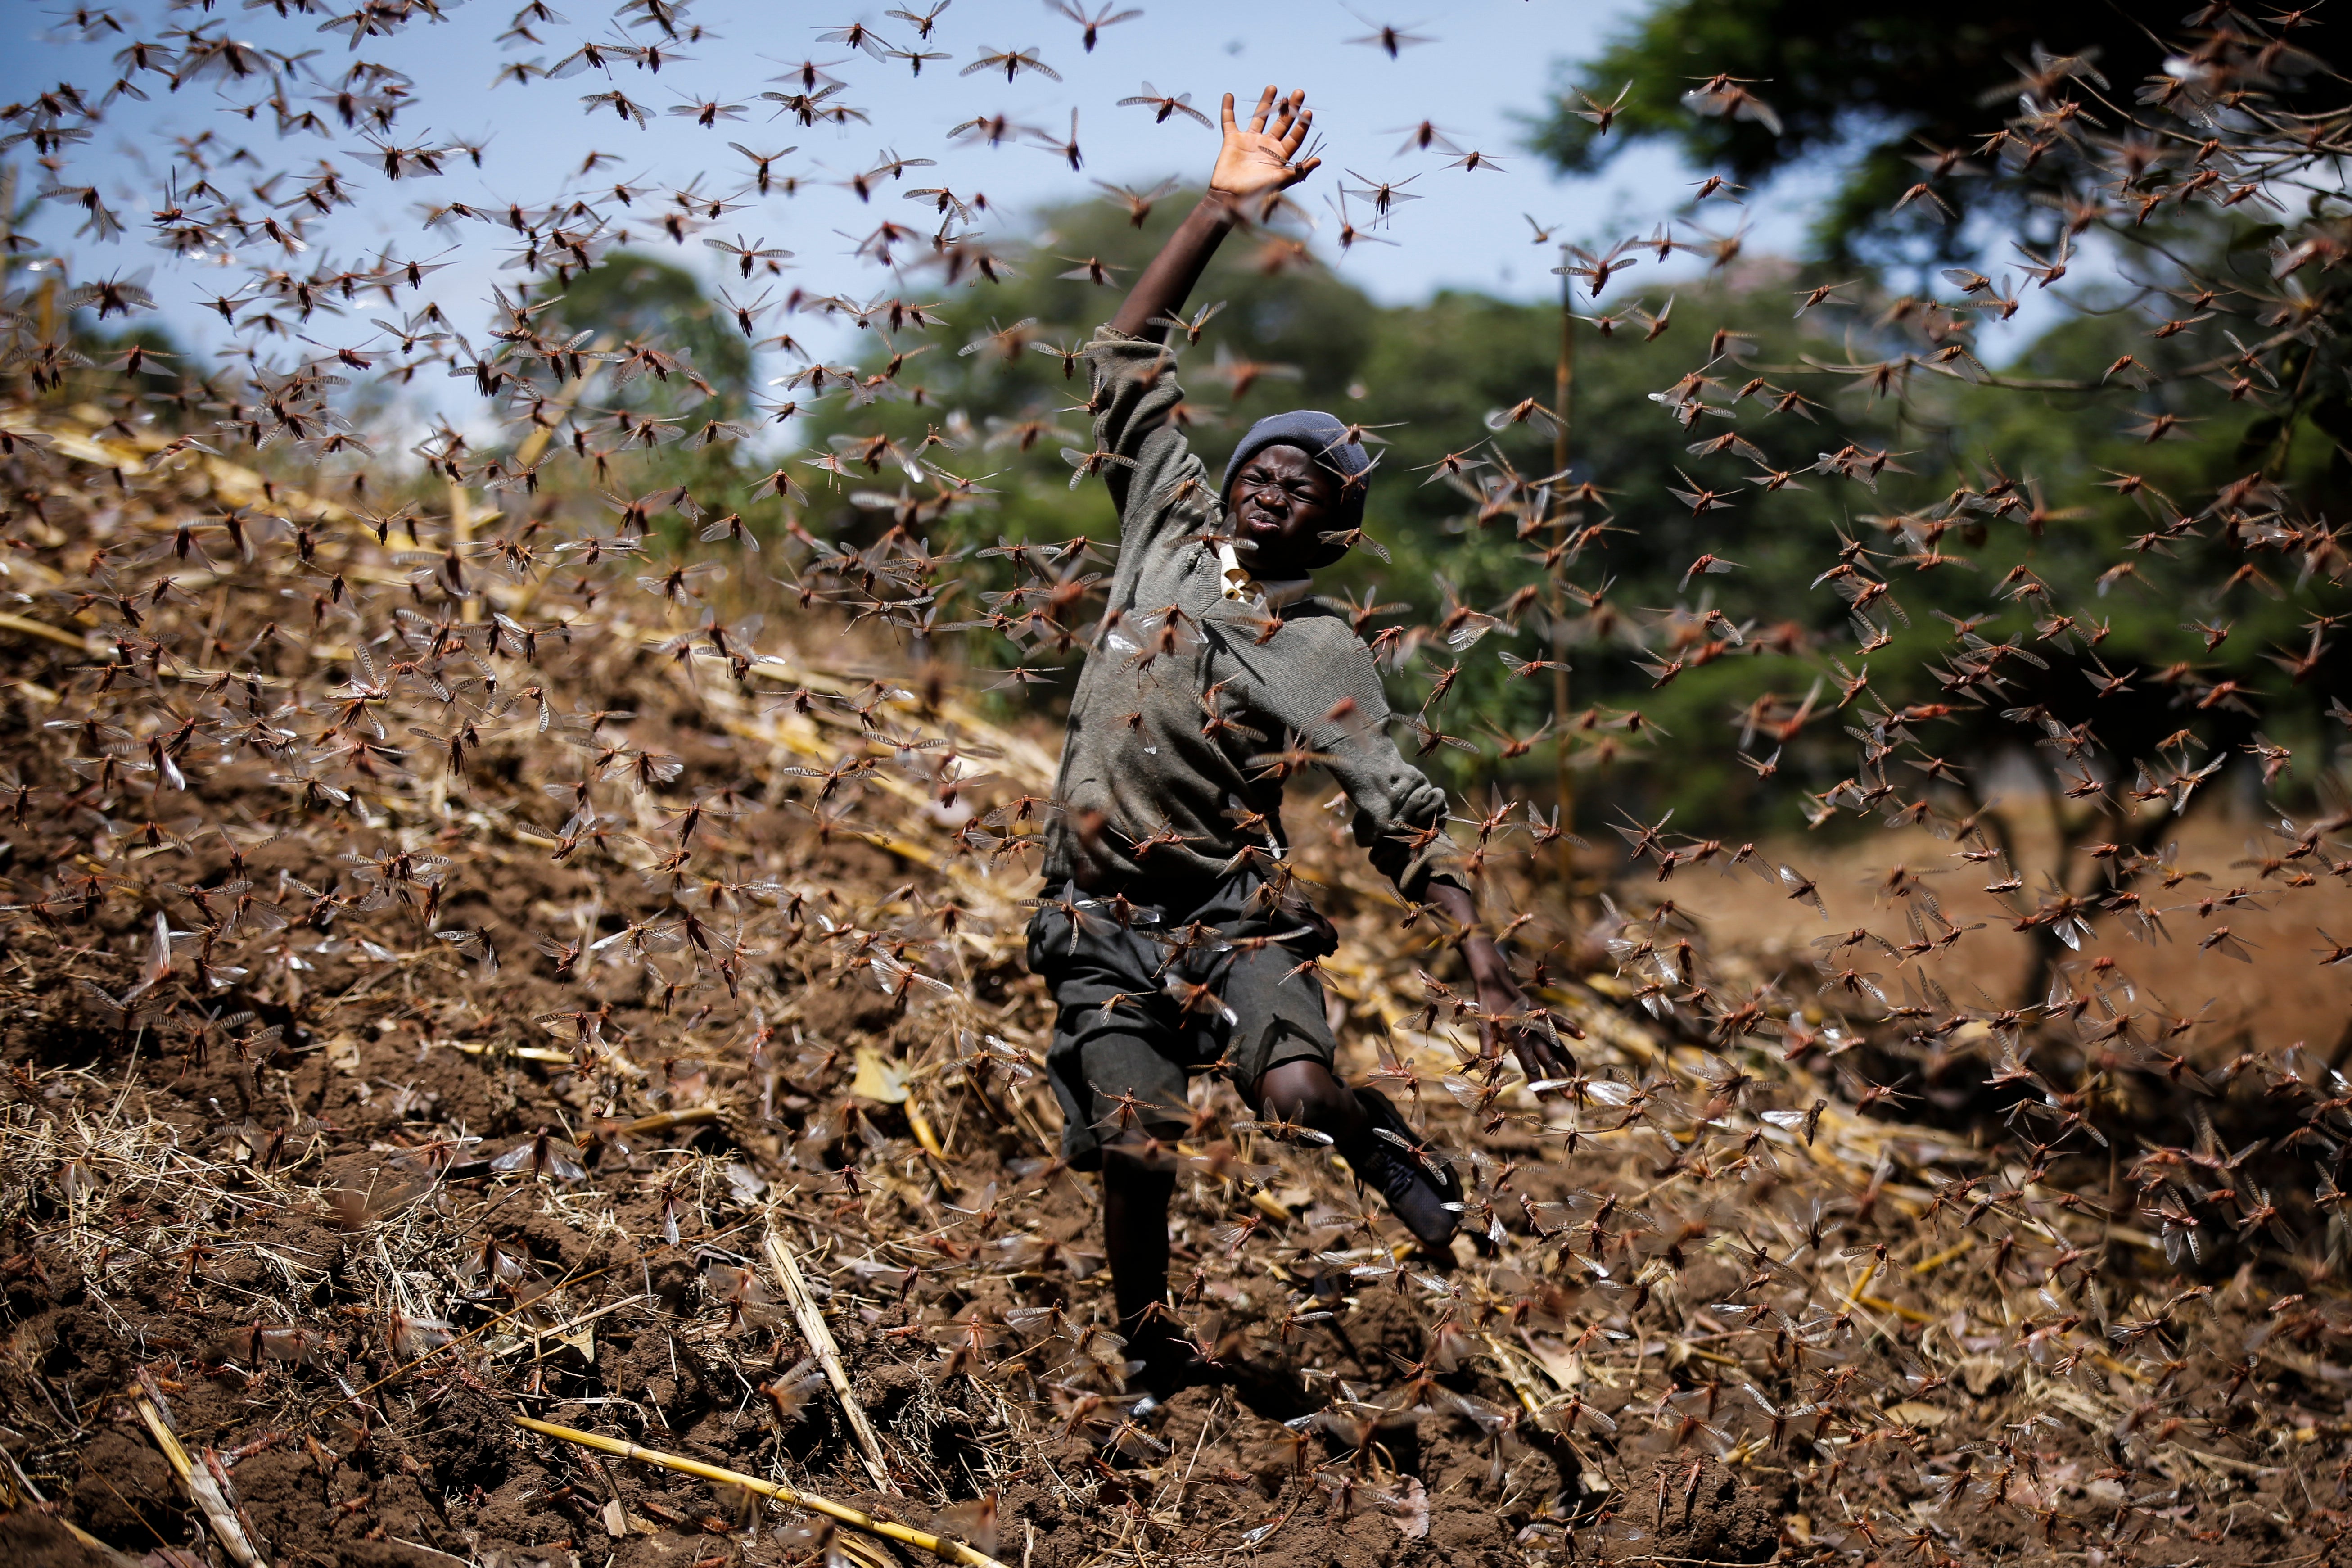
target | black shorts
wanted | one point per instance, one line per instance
(1204, 984)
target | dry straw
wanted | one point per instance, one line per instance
(938, 1546)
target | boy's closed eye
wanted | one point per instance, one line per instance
(1256, 479)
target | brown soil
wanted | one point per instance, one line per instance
(1694, 1511)
(341, 1259)
(31, 1539)
(428, 1461)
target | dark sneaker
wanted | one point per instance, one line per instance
(1165, 1364)
(1415, 1195)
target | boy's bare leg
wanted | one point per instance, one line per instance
(1135, 1191)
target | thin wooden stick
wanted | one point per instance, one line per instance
(209, 1499)
(941, 1547)
(828, 1354)
(924, 1135)
(540, 1336)
(662, 1121)
(97, 1548)
(33, 628)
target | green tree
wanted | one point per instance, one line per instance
(632, 297)
(682, 424)
(1882, 90)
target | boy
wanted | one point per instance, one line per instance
(1170, 930)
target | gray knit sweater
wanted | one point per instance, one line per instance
(1187, 692)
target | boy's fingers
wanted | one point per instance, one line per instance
(1298, 135)
(1303, 170)
(1265, 107)
(1230, 126)
(1289, 116)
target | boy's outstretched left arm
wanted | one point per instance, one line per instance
(1149, 466)
(1252, 163)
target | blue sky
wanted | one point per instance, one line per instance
(1488, 64)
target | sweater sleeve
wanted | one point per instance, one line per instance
(1324, 688)
(1157, 482)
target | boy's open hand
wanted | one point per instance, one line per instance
(1258, 160)
(1507, 1009)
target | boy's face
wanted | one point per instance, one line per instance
(1281, 504)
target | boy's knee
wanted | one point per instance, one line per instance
(1137, 1162)
(1303, 1092)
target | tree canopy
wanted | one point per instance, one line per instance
(1883, 91)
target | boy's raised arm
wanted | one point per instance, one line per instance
(1254, 162)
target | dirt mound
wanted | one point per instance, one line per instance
(1692, 1509)
(338, 1133)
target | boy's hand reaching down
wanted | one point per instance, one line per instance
(1502, 1001)
(1499, 997)
(1258, 160)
